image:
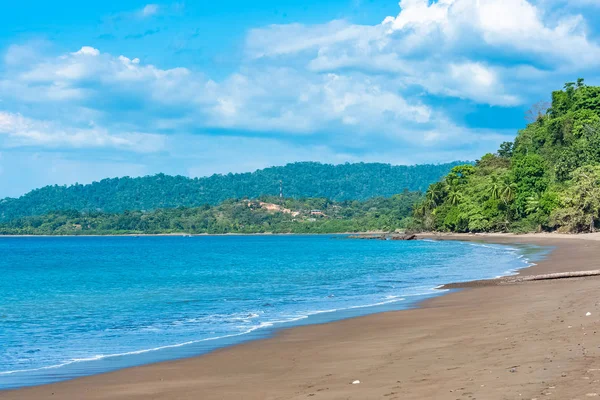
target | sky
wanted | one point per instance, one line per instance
(90, 90)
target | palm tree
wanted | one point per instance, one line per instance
(507, 191)
(421, 209)
(435, 194)
(495, 188)
(429, 204)
(454, 197)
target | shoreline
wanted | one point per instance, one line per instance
(312, 339)
(194, 234)
(99, 364)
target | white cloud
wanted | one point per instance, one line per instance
(87, 51)
(508, 25)
(284, 100)
(272, 99)
(268, 41)
(461, 48)
(22, 131)
(338, 91)
(149, 10)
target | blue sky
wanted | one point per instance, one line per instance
(119, 88)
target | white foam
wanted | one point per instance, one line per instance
(262, 325)
(267, 324)
(129, 353)
(498, 247)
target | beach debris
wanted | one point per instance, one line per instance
(559, 275)
(510, 280)
(588, 314)
(356, 382)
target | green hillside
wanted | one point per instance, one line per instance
(268, 214)
(548, 179)
(300, 180)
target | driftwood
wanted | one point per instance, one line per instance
(509, 280)
(544, 277)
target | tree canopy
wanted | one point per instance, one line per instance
(547, 179)
(359, 181)
(266, 214)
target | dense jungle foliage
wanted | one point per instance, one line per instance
(548, 179)
(300, 180)
(267, 214)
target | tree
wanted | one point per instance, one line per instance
(507, 191)
(548, 177)
(359, 181)
(580, 203)
(506, 150)
(454, 197)
(435, 194)
(495, 188)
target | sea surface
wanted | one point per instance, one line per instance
(74, 306)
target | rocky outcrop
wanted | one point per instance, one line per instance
(384, 236)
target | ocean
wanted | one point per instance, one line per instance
(75, 306)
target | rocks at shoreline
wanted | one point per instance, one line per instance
(384, 236)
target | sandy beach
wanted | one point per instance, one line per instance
(530, 340)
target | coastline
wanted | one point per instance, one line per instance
(180, 234)
(392, 353)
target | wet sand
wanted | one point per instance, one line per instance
(529, 340)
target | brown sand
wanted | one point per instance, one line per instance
(523, 341)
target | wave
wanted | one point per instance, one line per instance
(495, 247)
(262, 325)
(242, 320)
(129, 353)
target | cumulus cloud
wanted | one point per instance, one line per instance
(280, 99)
(21, 131)
(338, 91)
(461, 48)
(87, 51)
(274, 99)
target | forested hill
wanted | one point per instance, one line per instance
(267, 214)
(548, 179)
(300, 180)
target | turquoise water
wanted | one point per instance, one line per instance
(76, 306)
